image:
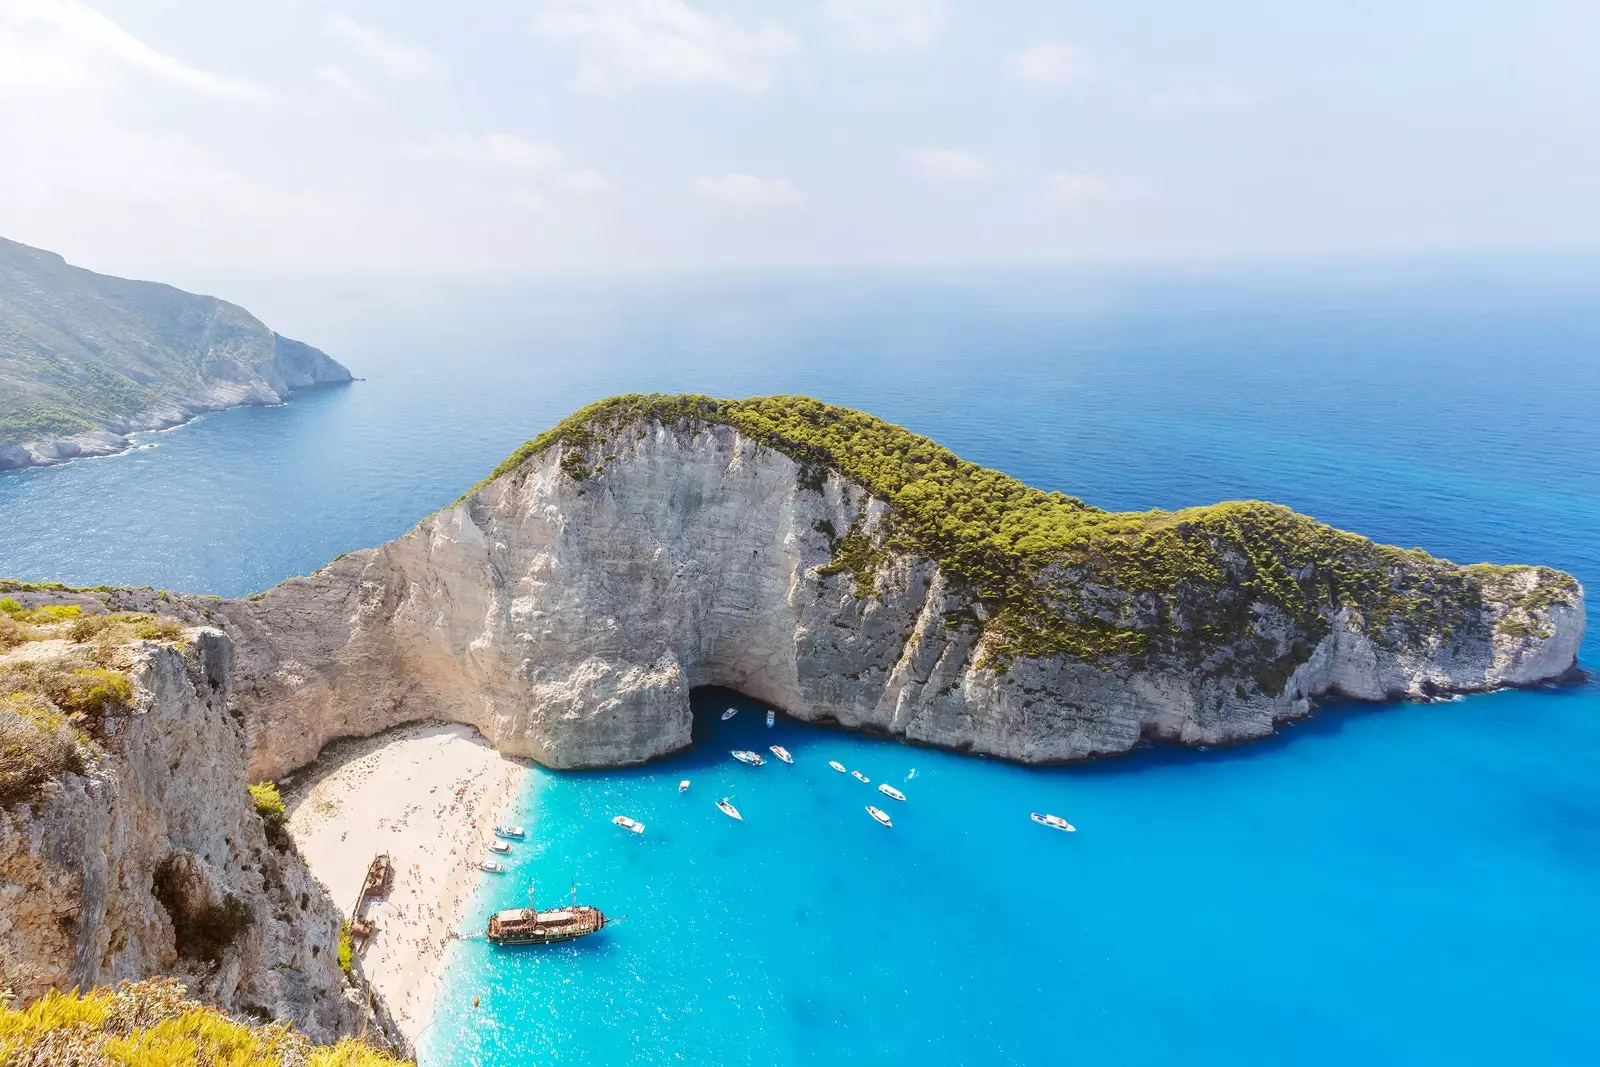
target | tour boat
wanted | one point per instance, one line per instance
(890, 791)
(1055, 822)
(515, 832)
(880, 815)
(836, 765)
(782, 753)
(772, 717)
(858, 776)
(745, 756)
(683, 786)
(491, 866)
(500, 847)
(629, 824)
(730, 713)
(726, 807)
(529, 926)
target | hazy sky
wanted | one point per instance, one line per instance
(142, 135)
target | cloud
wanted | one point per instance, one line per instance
(339, 79)
(949, 164)
(1048, 63)
(887, 25)
(82, 36)
(623, 43)
(587, 181)
(495, 151)
(748, 192)
(389, 54)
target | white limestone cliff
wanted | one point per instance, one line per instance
(568, 619)
(99, 870)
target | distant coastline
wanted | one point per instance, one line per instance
(118, 436)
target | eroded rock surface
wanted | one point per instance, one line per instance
(568, 618)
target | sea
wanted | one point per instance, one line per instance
(1406, 884)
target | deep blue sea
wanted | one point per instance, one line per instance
(1399, 885)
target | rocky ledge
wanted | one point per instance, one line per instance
(846, 570)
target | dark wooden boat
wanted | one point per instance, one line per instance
(529, 926)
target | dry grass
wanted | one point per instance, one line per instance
(152, 1024)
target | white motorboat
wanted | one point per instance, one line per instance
(491, 866)
(500, 847)
(782, 753)
(726, 807)
(890, 791)
(1055, 822)
(730, 713)
(836, 765)
(629, 824)
(880, 815)
(746, 756)
(772, 717)
(516, 833)
(683, 786)
(858, 776)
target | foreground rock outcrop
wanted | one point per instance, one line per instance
(150, 859)
(651, 545)
(87, 359)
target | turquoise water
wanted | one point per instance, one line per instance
(1407, 885)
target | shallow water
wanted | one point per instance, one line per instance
(1419, 884)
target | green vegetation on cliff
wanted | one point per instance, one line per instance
(1050, 574)
(152, 1024)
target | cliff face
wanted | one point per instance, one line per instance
(567, 607)
(86, 359)
(153, 861)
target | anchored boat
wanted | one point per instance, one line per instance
(726, 807)
(730, 713)
(890, 791)
(771, 718)
(529, 926)
(629, 824)
(782, 753)
(491, 866)
(858, 776)
(1055, 822)
(683, 786)
(836, 765)
(880, 815)
(500, 847)
(745, 756)
(516, 833)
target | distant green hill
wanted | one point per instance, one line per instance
(86, 359)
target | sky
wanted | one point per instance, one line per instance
(184, 136)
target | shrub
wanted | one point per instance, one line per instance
(36, 744)
(10, 606)
(201, 930)
(346, 948)
(90, 692)
(274, 816)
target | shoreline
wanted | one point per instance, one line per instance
(429, 794)
(102, 442)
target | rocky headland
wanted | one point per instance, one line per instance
(848, 571)
(87, 359)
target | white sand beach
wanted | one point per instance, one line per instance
(430, 796)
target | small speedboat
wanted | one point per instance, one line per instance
(746, 756)
(890, 791)
(491, 866)
(880, 815)
(836, 765)
(772, 717)
(726, 807)
(782, 753)
(1055, 822)
(858, 776)
(500, 847)
(516, 833)
(629, 824)
(730, 713)
(683, 786)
